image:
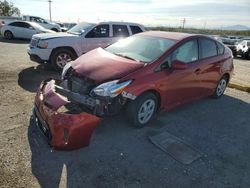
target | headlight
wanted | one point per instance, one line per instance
(111, 89)
(65, 69)
(42, 44)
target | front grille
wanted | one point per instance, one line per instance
(80, 85)
(33, 42)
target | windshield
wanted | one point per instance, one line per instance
(80, 28)
(37, 26)
(141, 48)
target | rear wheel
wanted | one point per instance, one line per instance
(221, 87)
(8, 35)
(142, 110)
(61, 57)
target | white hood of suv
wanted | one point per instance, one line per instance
(44, 36)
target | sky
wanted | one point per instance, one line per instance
(197, 13)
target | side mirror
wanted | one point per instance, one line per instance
(179, 65)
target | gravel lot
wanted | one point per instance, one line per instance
(120, 155)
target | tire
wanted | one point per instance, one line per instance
(134, 110)
(61, 57)
(221, 87)
(8, 35)
(54, 29)
(247, 55)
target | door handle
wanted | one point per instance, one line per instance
(197, 71)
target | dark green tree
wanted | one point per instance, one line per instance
(8, 9)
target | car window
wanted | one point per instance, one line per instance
(20, 24)
(248, 43)
(120, 31)
(187, 52)
(135, 29)
(99, 31)
(207, 48)
(37, 19)
(220, 48)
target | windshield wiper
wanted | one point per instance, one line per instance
(125, 56)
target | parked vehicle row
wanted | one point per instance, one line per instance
(22, 29)
(60, 48)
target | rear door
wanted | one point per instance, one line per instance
(211, 60)
(16, 29)
(119, 31)
(99, 36)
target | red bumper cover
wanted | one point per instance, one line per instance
(64, 131)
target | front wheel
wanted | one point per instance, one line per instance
(221, 87)
(61, 57)
(141, 111)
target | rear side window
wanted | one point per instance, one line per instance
(120, 31)
(100, 31)
(20, 24)
(188, 52)
(135, 29)
(220, 48)
(208, 48)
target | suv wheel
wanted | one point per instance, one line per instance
(8, 35)
(61, 57)
(142, 110)
(221, 87)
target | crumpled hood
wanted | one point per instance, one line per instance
(101, 66)
(44, 36)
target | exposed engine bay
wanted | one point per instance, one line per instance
(80, 93)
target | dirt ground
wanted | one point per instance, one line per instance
(119, 155)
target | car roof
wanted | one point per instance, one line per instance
(19, 21)
(114, 22)
(168, 35)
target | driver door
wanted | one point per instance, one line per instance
(183, 85)
(99, 36)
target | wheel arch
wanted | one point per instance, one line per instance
(63, 47)
(156, 93)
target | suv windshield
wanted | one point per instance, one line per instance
(141, 48)
(80, 28)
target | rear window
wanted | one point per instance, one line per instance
(208, 48)
(220, 48)
(120, 31)
(135, 29)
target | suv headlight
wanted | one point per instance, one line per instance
(111, 89)
(42, 44)
(65, 69)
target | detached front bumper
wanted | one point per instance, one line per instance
(64, 131)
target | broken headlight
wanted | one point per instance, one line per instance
(111, 89)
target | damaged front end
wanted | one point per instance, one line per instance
(67, 111)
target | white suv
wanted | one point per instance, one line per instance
(60, 48)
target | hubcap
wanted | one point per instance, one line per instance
(62, 59)
(221, 87)
(146, 111)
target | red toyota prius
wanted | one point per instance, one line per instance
(143, 73)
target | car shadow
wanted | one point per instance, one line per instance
(15, 41)
(216, 130)
(30, 78)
